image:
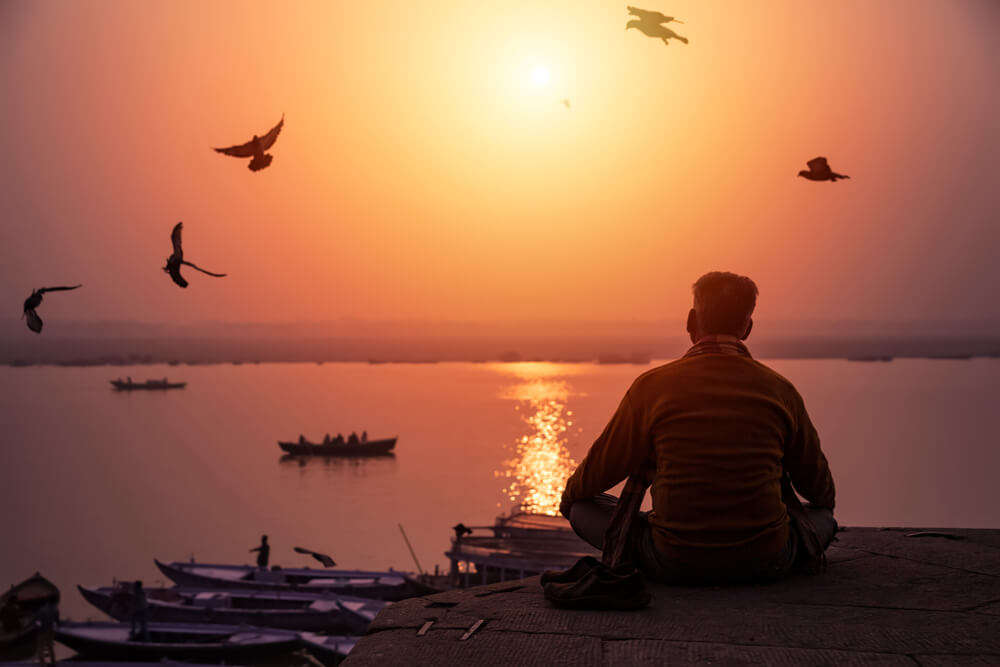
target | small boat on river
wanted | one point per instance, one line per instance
(319, 612)
(128, 385)
(177, 641)
(303, 447)
(376, 585)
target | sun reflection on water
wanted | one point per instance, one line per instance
(541, 462)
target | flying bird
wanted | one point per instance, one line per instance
(35, 300)
(255, 148)
(819, 170)
(649, 23)
(175, 260)
(652, 17)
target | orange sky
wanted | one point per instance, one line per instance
(421, 173)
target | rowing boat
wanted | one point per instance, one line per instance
(176, 641)
(321, 612)
(388, 585)
(365, 448)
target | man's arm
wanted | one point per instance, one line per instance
(619, 451)
(805, 463)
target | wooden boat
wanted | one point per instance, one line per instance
(32, 594)
(516, 546)
(376, 585)
(328, 649)
(177, 641)
(367, 448)
(128, 385)
(322, 612)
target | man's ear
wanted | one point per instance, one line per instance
(692, 324)
(746, 334)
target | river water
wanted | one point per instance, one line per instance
(96, 483)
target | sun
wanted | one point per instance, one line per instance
(540, 75)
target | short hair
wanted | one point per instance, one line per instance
(724, 302)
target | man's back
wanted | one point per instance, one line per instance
(719, 430)
(720, 427)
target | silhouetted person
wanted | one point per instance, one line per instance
(353, 438)
(340, 439)
(10, 614)
(723, 439)
(140, 613)
(263, 553)
(326, 439)
(364, 436)
(255, 148)
(175, 260)
(649, 24)
(819, 170)
(35, 300)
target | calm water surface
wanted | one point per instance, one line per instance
(95, 483)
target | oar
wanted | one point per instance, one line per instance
(322, 558)
(410, 547)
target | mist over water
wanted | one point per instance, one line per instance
(95, 483)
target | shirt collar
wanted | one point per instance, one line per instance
(718, 344)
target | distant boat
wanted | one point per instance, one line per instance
(363, 448)
(177, 641)
(128, 385)
(32, 594)
(871, 358)
(376, 585)
(320, 612)
(328, 649)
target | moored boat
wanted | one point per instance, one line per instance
(272, 609)
(376, 585)
(362, 448)
(17, 640)
(328, 649)
(177, 641)
(128, 385)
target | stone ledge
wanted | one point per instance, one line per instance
(885, 599)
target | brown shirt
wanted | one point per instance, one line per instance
(718, 429)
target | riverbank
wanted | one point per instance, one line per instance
(886, 598)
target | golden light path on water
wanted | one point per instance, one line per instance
(541, 462)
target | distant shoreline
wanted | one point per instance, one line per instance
(584, 347)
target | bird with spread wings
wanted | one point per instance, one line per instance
(650, 24)
(175, 260)
(35, 300)
(819, 170)
(255, 148)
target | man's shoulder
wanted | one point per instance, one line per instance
(690, 365)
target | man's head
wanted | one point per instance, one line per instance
(723, 304)
(263, 539)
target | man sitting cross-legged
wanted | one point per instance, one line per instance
(723, 439)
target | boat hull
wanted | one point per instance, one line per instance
(317, 613)
(176, 641)
(389, 586)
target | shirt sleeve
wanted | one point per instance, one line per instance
(805, 462)
(619, 451)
